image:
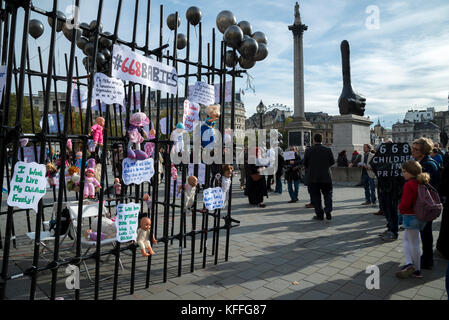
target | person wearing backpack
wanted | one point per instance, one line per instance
(421, 149)
(412, 172)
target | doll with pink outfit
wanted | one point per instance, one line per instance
(137, 121)
(97, 131)
(90, 183)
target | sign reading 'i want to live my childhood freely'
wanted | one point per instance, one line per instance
(28, 185)
(127, 221)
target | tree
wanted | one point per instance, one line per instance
(26, 119)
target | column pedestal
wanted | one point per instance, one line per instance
(351, 132)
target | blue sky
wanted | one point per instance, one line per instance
(402, 65)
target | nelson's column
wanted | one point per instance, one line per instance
(299, 129)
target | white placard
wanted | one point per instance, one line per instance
(203, 93)
(131, 66)
(28, 185)
(201, 172)
(127, 221)
(137, 171)
(108, 90)
(2, 79)
(163, 124)
(289, 155)
(82, 97)
(213, 198)
(228, 91)
(191, 115)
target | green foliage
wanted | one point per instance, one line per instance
(26, 119)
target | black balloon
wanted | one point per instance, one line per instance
(231, 59)
(246, 27)
(88, 49)
(81, 42)
(260, 37)
(233, 36)
(171, 21)
(246, 63)
(36, 28)
(85, 33)
(86, 63)
(248, 48)
(60, 23)
(93, 25)
(106, 53)
(68, 32)
(194, 15)
(225, 19)
(105, 42)
(181, 41)
(262, 52)
(100, 58)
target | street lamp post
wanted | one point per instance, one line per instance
(261, 108)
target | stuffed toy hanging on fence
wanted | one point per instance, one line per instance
(174, 172)
(136, 122)
(207, 132)
(177, 138)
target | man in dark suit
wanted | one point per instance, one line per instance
(318, 160)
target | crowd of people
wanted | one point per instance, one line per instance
(395, 197)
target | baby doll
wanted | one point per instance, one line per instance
(51, 173)
(177, 138)
(226, 180)
(73, 183)
(136, 122)
(174, 172)
(207, 133)
(147, 199)
(97, 131)
(90, 183)
(117, 186)
(92, 235)
(189, 190)
(149, 146)
(143, 237)
(78, 159)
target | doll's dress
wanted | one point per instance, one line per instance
(207, 133)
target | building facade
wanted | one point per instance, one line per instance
(59, 99)
(321, 124)
(409, 131)
(273, 119)
(420, 115)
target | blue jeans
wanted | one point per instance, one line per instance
(278, 187)
(370, 188)
(293, 193)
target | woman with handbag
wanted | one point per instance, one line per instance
(256, 187)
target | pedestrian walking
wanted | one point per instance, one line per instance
(279, 171)
(318, 159)
(368, 176)
(413, 174)
(292, 175)
(421, 152)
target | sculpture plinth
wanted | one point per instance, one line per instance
(351, 132)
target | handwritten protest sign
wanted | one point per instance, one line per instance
(388, 160)
(28, 185)
(127, 221)
(213, 198)
(201, 172)
(132, 66)
(108, 90)
(203, 93)
(137, 171)
(191, 114)
(217, 91)
(289, 155)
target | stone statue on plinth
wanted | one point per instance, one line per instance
(349, 102)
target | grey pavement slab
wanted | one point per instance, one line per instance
(277, 252)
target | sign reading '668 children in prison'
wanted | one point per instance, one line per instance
(28, 185)
(131, 66)
(108, 90)
(137, 171)
(213, 198)
(127, 221)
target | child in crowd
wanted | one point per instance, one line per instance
(412, 172)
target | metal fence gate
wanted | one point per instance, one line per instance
(23, 81)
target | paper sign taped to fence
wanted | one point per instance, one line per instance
(137, 171)
(191, 114)
(131, 66)
(289, 155)
(203, 93)
(28, 185)
(127, 221)
(201, 172)
(213, 198)
(108, 90)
